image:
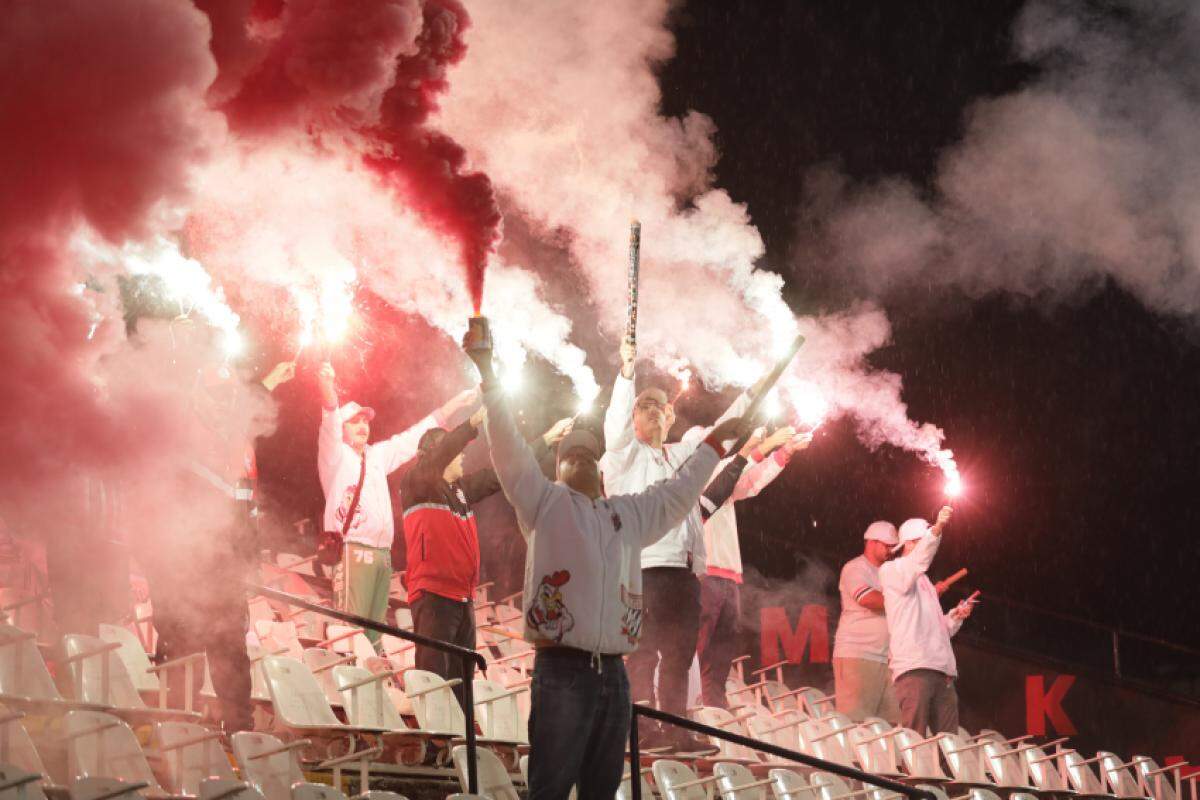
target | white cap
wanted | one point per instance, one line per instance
(912, 530)
(881, 531)
(352, 410)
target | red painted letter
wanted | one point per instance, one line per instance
(812, 632)
(1040, 704)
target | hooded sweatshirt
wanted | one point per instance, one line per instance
(583, 571)
(918, 630)
(631, 466)
(720, 528)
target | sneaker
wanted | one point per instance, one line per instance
(684, 742)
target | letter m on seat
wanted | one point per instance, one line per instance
(780, 642)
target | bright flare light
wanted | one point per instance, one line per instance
(944, 459)
(809, 403)
(511, 380)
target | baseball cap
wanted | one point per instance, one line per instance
(882, 531)
(912, 530)
(352, 410)
(578, 437)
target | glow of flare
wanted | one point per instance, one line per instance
(809, 404)
(944, 459)
(337, 306)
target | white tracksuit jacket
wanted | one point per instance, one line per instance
(721, 532)
(919, 632)
(583, 570)
(630, 466)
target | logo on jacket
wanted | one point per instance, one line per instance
(548, 613)
(631, 619)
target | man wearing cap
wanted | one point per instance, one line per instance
(344, 462)
(863, 687)
(637, 457)
(582, 601)
(442, 541)
(922, 658)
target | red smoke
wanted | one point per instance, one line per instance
(368, 74)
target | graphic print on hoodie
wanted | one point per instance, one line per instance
(548, 614)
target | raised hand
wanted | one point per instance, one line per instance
(326, 380)
(557, 431)
(628, 356)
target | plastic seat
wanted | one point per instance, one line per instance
(625, 790)
(366, 699)
(780, 729)
(920, 755)
(832, 787)
(269, 765)
(726, 721)
(499, 712)
(874, 750)
(1080, 775)
(100, 678)
(299, 701)
(677, 781)
(190, 754)
(1043, 769)
(494, 780)
(144, 675)
(1116, 773)
(735, 782)
(92, 788)
(227, 789)
(101, 745)
(316, 791)
(16, 748)
(321, 663)
(24, 680)
(965, 759)
(436, 708)
(787, 784)
(828, 738)
(20, 784)
(1162, 783)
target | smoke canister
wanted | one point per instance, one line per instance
(479, 334)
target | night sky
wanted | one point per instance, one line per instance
(1075, 423)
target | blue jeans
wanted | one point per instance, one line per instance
(578, 725)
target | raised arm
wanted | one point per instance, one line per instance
(618, 419)
(721, 486)
(401, 448)
(329, 435)
(778, 448)
(516, 468)
(901, 573)
(485, 483)
(664, 505)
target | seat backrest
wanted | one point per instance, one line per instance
(1161, 786)
(669, 774)
(987, 794)
(318, 658)
(368, 706)
(814, 702)
(920, 760)
(102, 746)
(357, 644)
(11, 775)
(297, 697)
(829, 786)
(92, 788)
(280, 636)
(189, 757)
(316, 791)
(494, 782)
(966, 761)
(1045, 774)
(625, 790)
(16, 748)
(1120, 779)
(1083, 780)
(87, 674)
(23, 673)
(1005, 766)
(437, 710)
(226, 789)
(723, 719)
(730, 780)
(936, 791)
(787, 784)
(778, 729)
(137, 663)
(779, 697)
(828, 740)
(258, 675)
(272, 775)
(878, 755)
(501, 718)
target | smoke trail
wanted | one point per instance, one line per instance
(1079, 177)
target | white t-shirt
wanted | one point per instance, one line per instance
(861, 632)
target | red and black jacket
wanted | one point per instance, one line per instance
(440, 534)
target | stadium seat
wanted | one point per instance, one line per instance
(19, 784)
(625, 790)
(101, 745)
(779, 729)
(832, 787)
(191, 753)
(1118, 778)
(873, 747)
(965, 760)
(92, 788)
(494, 780)
(787, 784)
(273, 767)
(316, 791)
(365, 698)
(920, 755)
(25, 682)
(499, 713)
(436, 708)
(224, 789)
(727, 721)
(100, 678)
(349, 640)
(677, 781)
(150, 680)
(1080, 775)
(1043, 769)
(1156, 781)
(16, 748)
(735, 782)
(320, 663)
(828, 738)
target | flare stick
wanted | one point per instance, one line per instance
(955, 578)
(768, 384)
(635, 259)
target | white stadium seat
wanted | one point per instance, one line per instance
(677, 781)
(494, 780)
(102, 746)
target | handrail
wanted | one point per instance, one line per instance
(911, 792)
(470, 659)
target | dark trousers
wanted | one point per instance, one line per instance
(451, 621)
(716, 646)
(578, 725)
(927, 698)
(213, 621)
(671, 599)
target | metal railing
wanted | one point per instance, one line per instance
(635, 782)
(470, 658)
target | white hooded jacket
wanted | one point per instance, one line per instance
(630, 466)
(583, 569)
(919, 632)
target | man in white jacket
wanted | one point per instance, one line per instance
(922, 658)
(362, 579)
(583, 591)
(637, 457)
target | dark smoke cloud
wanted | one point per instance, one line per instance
(1084, 175)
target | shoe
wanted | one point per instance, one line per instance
(684, 742)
